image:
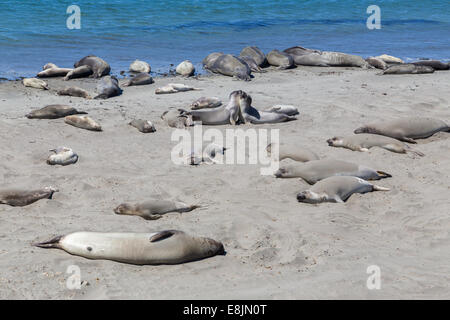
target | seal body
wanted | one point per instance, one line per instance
(232, 66)
(209, 154)
(139, 80)
(337, 189)
(185, 68)
(79, 72)
(177, 119)
(174, 88)
(153, 209)
(83, 122)
(62, 156)
(390, 59)
(252, 64)
(285, 109)
(256, 54)
(165, 247)
(108, 87)
(306, 57)
(377, 63)
(53, 111)
(140, 66)
(279, 59)
(74, 92)
(206, 102)
(406, 129)
(35, 83)
(99, 66)
(209, 60)
(316, 170)
(408, 68)
(53, 72)
(21, 198)
(143, 126)
(293, 152)
(49, 65)
(435, 64)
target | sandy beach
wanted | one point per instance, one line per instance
(277, 248)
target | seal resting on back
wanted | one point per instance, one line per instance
(232, 66)
(99, 66)
(153, 209)
(53, 111)
(21, 198)
(108, 87)
(406, 129)
(165, 247)
(337, 189)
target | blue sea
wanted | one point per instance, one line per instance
(163, 33)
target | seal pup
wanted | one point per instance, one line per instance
(174, 88)
(99, 66)
(165, 247)
(206, 102)
(177, 119)
(53, 72)
(364, 141)
(139, 66)
(83, 122)
(316, 170)
(139, 80)
(62, 156)
(408, 68)
(390, 59)
(153, 209)
(209, 60)
(285, 109)
(74, 92)
(80, 72)
(143, 126)
(377, 63)
(35, 83)
(185, 68)
(53, 111)
(21, 198)
(293, 152)
(231, 66)
(279, 59)
(337, 189)
(256, 54)
(435, 64)
(406, 129)
(252, 64)
(108, 87)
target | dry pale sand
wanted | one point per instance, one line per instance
(276, 247)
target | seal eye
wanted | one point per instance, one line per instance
(89, 249)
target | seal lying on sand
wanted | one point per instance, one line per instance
(316, 170)
(108, 87)
(435, 64)
(210, 59)
(139, 80)
(363, 142)
(256, 54)
(306, 57)
(165, 247)
(408, 68)
(252, 64)
(177, 119)
(53, 72)
(62, 156)
(293, 152)
(205, 103)
(153, 209)
(390, 59)
(140, 66)
(74, 92)
(35, 83)
(80, 72)
(143, 126)
(232, 66)
(279, 59)
(53, 111)
(185, 68)
(174, 88)
(208, 155)
(377, 63)
(406, 129)
(99, 66)
(83, 122)
(20, 198)
(337, 189)
(49, 65)
(285, 109)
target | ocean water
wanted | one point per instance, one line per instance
(162, 33)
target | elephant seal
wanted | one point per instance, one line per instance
(232, 66)
(252, 115)
(339, 59)
(185, 68)
(177, 119)
(229, 114)
(174, 88)
(364, 141)
(139, 66)
(21, 198)
(337, 189)
(252, 64)
(377, 63)
(139, 80)
(108, 87)
(74, 92)
(256, 54)
(208, 155)
(279, 59)
(99, 66)
(390, 59)
(49, 65)
(316, 170)
(83, 122)
(165, 247)
(210, 59)
(285, 109)
(53, 111)
(435, 64)
(406, 129)
(408, 68)
(80, 72)
(306, 57)
(53, 72)
(310, 57)
(35, 83)
(62, 156)
(293, 152)
(143, 126)
(205, 103)
(153, 209)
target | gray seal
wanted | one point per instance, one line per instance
(205, 103)
(210, 59)
(108, 87)
(53, 111)
(74, 92)
(256, 54)
(139, 80)
(53, 72)
(293, 152)
(83, 122)
(435, 64)
(232, 66)
(408, 68)
(21, 198)
(99, 66)
(377, 63)
(279, 59)
(153, 209)
(252, 64)
(79, 72)
(143, 126)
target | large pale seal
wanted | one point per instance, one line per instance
(174, 88)
(316, 170)
(153, 209)
(232, 66)
(165, 247)
(21, 198)
(139, 66)
(74, 92)
(139, 80)
(390, 59)
(279, 59)
(53, 72)
(53, 111)
(406, 129)
(256, 54)
(83, 122)
(337, 189)
(108, 87)
(294, 152)
(99, 66)
(35, 83)
(377, 63)
(185, 68)
(408, 68)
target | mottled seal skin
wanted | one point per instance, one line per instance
(174, 88)
(108, 87)
(79, 72)
(99, 66)
(185, 68)
(377, 63)
(232, 66)
(210, 59)
(83, 122)
(336, 189)
(62, 156)
(165, 247)
(435, 64)
(408, 68)
(279, 59)
(293, 152)
(53, 111)
(21, 198)
(140, 79)
(252, 64)
(143, 126)
(285, 109)
(74, 92)
(35, 83)
(153, 209)
(364, 141)
(53, 72)
(139, 66)
(256, 54)
(406, 129)
(390, 59)
(316, 170)
(205, 103)
(177, 119)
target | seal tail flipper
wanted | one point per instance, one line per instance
(81, 112)
(52, 243)
(409, 140)
(382, 174)
(163, 235)
(378, 188)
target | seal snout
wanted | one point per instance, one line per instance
(279, 173)
(301, 197)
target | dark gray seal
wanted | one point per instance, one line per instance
(408, 68)
(232, 66)
(53, 111)
(210, 59)
(99, 66)
(256, 54)
(80, 72)
(435, 64)
(21, 198)
(108, 87)
(139, 80)
(279, 59)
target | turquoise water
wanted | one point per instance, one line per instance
(33, 33)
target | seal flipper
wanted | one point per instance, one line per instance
(163, 235)
(52, 243)
(382, 174)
